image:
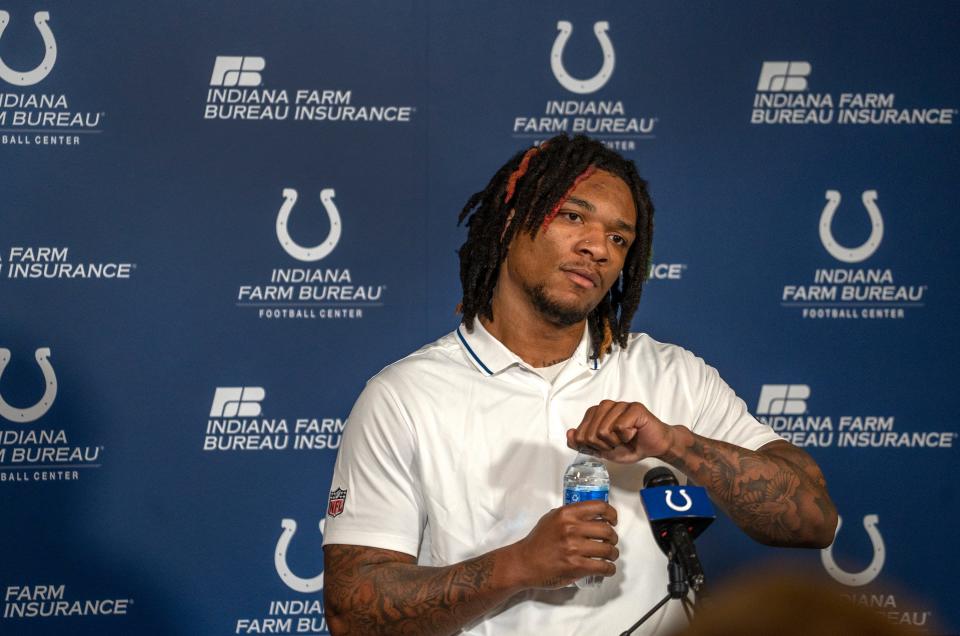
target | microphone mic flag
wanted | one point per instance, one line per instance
(677, 514)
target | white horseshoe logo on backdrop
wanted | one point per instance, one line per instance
(293, 581)
(854, 254)
(573, 84)
(686, 498)
(293, 248)
(870, 572)
(28, 78)
(50, 393)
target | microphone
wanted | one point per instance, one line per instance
(677, 515)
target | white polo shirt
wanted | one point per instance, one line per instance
(460, 448)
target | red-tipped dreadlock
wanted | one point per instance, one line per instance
(566, 195)
(519, 172)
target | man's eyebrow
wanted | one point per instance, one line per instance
(583, 204)
(626, 227)
(589, 207)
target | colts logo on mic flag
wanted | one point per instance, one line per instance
(664, 502)
(667, 504)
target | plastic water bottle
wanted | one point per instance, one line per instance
(586, 479)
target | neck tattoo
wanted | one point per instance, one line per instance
(550, 363)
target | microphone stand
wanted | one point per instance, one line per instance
(678, 587)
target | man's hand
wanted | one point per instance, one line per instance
(622, 432)
(568, 543)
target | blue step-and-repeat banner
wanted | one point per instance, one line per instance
(217, 220)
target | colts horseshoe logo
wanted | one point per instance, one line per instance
(28, 78)
(293, 581)
(573, 84)
(294, 249)
(855, 579)
(50, 380)
(686, 498)
(855, 254)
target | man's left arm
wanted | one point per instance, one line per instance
(776, 494)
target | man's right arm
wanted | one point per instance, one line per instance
(373, 591)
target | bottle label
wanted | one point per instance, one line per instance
(575, 495)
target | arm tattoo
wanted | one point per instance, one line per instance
(372, 591)
(777, 495)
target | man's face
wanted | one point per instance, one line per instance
(568, 268)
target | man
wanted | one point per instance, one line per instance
(444, 508)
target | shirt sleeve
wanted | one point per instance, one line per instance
(376, 477)
(720, 414)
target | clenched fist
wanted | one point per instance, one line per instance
(622, 432)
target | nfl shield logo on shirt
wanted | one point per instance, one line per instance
(337, 499)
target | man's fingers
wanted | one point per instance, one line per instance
(601, 531)
(589, 510)
(587, 431)
(605, 427)
(601, 566)
(580, 434)
(625, 431)
(587, 417)
(574, 436)
(599, 550)
(635, 418)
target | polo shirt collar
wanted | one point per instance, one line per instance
(491, 356)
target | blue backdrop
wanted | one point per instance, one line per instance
(177, 364)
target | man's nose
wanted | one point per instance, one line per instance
(594, 246)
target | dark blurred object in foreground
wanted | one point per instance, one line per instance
(767, 603)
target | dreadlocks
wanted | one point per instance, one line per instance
(533, 186)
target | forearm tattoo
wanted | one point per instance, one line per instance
(777, 496)
(370, 592)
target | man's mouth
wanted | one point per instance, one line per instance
(582, 276)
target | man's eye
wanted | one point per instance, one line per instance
(572, 216)
(619, 240)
